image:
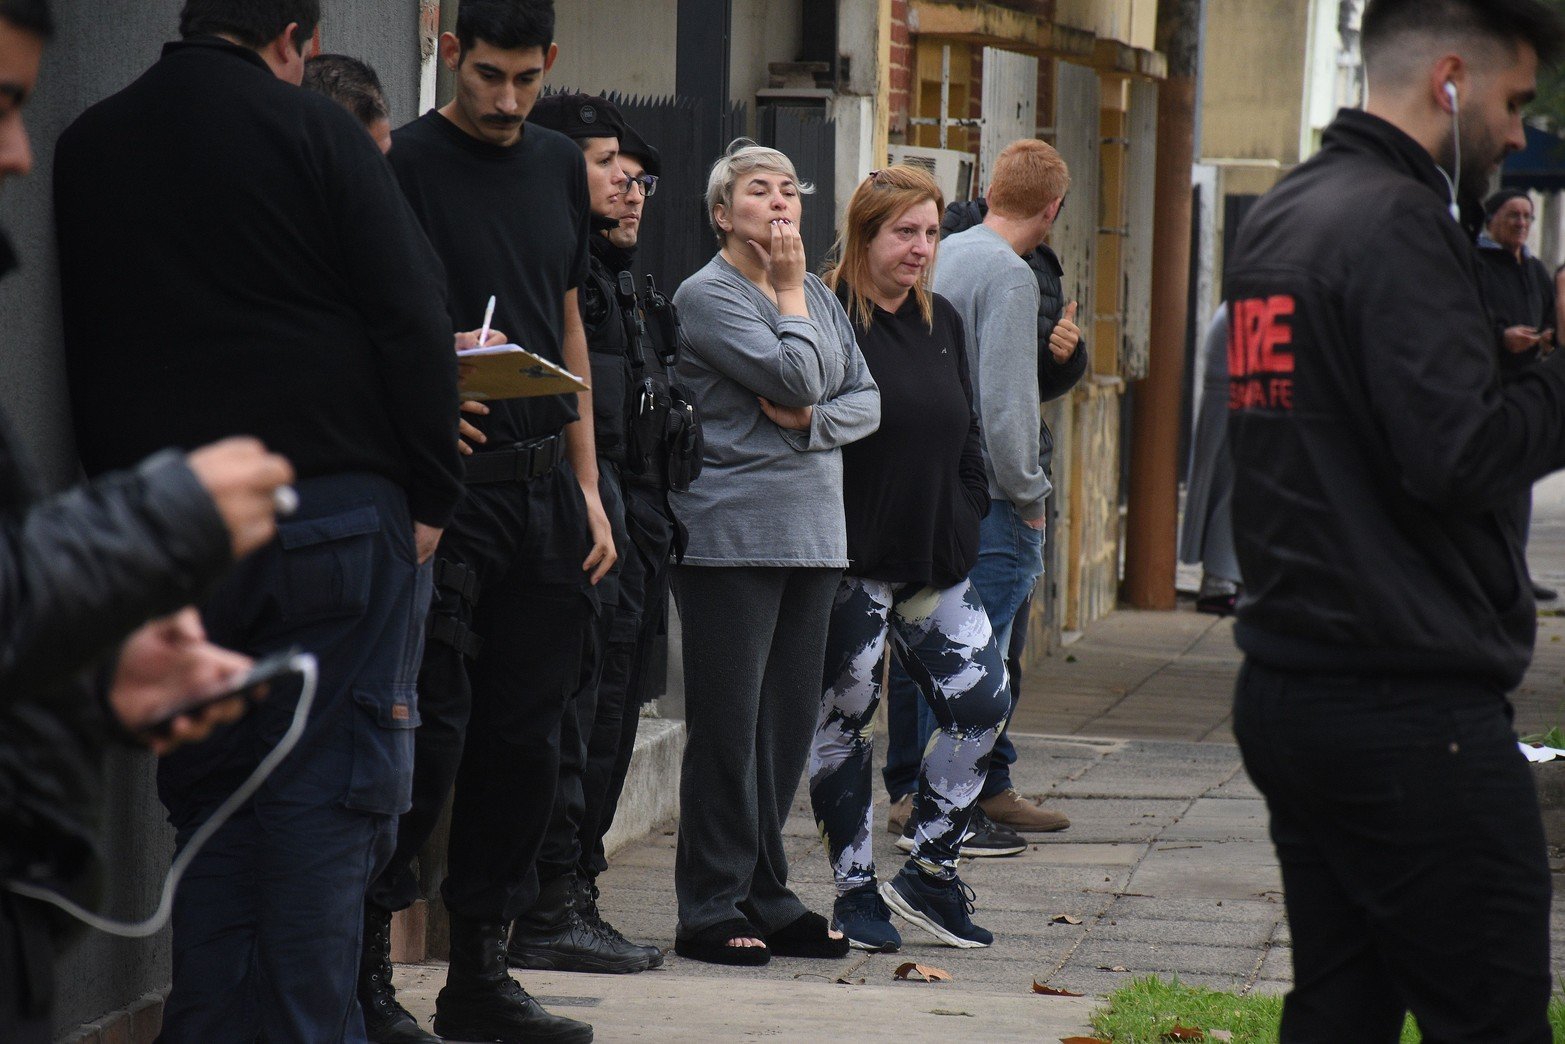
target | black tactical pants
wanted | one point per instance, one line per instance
(599, 734)
(508, 575)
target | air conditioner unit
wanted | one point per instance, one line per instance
(952, 170)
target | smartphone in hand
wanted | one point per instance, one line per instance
(252, 687)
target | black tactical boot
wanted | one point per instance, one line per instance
(481, 1001)
(385, 1021)
(553, 937)
(587, 910)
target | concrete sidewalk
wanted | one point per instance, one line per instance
(1167, 866)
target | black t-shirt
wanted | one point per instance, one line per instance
(914, 491)
(508, 221)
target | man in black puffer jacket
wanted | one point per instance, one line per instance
(79, 572)
(1060, 367)
(1379, 468)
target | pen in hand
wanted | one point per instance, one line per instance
(483, 334)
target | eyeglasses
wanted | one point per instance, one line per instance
(647, 182)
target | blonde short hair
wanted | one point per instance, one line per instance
(1028, 176)
(742, 157)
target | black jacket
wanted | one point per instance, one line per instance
(608, 346)
(1054, 378)
(237, 258)
(1516, 293)
(78, 572)
(1378, 460)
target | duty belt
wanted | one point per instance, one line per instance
(522, 462)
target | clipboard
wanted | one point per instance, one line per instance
(509, 371)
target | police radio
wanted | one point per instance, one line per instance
(683, 440)
(648, 402)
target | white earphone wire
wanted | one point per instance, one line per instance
(303, 664)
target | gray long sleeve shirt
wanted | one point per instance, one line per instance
(768, 496)
(997, 296)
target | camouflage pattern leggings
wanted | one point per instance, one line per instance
(944, 639)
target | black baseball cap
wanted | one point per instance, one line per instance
(578, 116)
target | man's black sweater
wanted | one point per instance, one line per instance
(914, 491)
(1379, 461)
(508, 221)
(236, 258)
(1516, 293)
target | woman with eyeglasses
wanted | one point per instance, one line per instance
(781, 386)
(913, 494)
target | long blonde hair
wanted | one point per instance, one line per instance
(878, 199)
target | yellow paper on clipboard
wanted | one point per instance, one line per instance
(509, 371)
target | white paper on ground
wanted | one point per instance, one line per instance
(1541, 753)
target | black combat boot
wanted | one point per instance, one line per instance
(553, 937)
(481, 1001)
(385, 1021)
(587, 910)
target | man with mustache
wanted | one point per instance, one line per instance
(507, 208)
(1379, 471)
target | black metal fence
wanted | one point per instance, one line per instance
(676, 238)
(806, 137)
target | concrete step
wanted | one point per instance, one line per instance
(650, 798)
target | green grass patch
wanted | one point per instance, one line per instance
(1147, 1009)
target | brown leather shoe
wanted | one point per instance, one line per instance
(899, 813)
(1013, 810)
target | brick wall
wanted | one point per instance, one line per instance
(901, 72)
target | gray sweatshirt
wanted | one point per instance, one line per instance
(768, 496)
(997, 296)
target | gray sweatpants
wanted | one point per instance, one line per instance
(754, 647)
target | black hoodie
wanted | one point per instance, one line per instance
(1378, 460)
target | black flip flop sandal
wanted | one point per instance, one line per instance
(711, 945)
(806, 936)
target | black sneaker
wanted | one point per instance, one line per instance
(984, 837)
(863, 917)
(940, 909)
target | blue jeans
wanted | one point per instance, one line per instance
(268, 919)
(1010, 561)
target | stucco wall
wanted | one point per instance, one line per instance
(1246, 114)
(764, 31)
(615, 48)
(100, 47)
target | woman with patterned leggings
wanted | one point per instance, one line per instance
(914, 493)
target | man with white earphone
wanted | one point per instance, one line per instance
(1379, 465)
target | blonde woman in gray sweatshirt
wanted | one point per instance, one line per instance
(774, 366)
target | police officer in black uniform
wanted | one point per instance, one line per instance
(632, 343)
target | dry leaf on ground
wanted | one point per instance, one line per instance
(1112, 967)
(1051, 991)
(1184, 1033)
(1064, 919)
(948, 1011)
(922, 973)
(849, 982)
(1220, 1034)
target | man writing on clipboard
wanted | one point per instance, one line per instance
(506, 207)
